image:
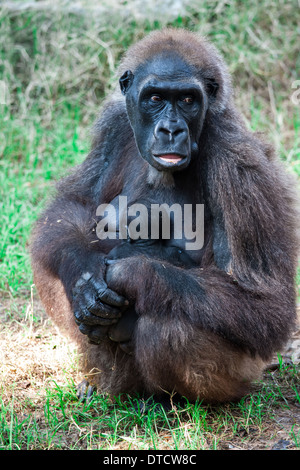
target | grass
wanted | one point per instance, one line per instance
(56, 69)
(54, 419)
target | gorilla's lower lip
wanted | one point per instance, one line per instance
(170, 158)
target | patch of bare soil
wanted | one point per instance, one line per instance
(33, 354)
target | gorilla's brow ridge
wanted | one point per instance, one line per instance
(154, 79)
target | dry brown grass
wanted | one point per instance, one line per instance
(32, 354)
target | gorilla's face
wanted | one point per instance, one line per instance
(166, 106)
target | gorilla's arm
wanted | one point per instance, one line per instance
(72, 254)
(210, 299)
(246, 292)
(64, 242)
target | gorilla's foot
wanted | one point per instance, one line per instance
(85, 391)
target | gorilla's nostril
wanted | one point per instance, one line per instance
(170, 129)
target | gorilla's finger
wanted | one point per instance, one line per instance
(97, 334)
(105, 294)
(102, 310)
(123, 330)
(87, 304)
(84, 329)
(81, 283)
(83, 315)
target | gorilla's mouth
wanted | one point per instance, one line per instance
(170, 158)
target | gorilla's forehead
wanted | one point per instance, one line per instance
(155, 83)
(165, 66)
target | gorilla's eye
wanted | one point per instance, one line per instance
(156, 98)
(188, 99)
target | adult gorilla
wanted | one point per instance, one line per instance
(155, 315)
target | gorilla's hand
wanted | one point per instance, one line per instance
(127, 276)
(96, 307)
(123, 274)
(123, 331)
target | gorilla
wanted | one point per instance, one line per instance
(161, 297)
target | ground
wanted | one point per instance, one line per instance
(34, 358)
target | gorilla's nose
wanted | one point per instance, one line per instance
(171, 131)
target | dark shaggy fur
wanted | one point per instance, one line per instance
(203, 332)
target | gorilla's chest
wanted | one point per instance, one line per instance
(169, 217)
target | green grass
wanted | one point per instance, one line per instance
(65, 423)
(32, 158)
(57, 69)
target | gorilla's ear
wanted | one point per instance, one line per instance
(212, 87)
(126, 81)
